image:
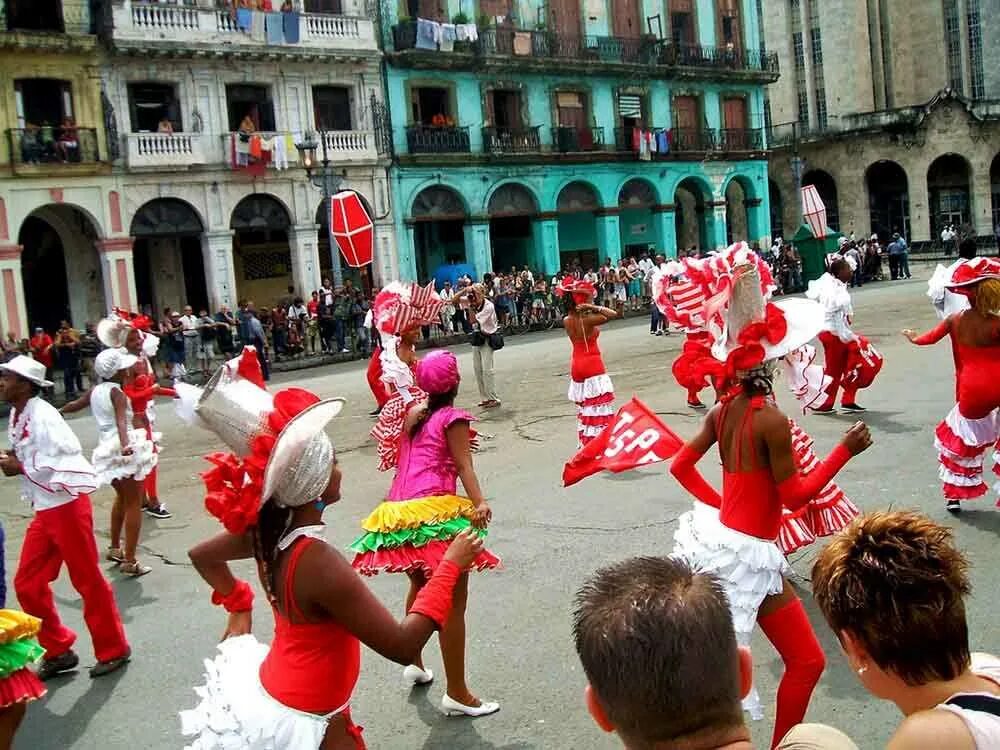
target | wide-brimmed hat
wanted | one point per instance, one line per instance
(400, 307)
(298, 468)
(110, 361)
(974, 271)
(28, 368)
(569, 285)
(112, 331)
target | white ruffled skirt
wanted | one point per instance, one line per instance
(962, 444)
(749, 569)
(595, 406)
(110, 464)
(236, 712)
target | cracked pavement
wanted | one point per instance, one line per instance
(520, 649)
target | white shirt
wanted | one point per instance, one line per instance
(983, 727)
(487, 318)
(298, 311)
(833, 294)
(189, 323)
(326, 295)
(55, 471)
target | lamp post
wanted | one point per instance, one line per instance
(323, 176)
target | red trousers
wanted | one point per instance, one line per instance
(378, 388)
(66, 534)
(835, 355)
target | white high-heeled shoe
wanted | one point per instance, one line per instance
(451, 707)
(414, 675)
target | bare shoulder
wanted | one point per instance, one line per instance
(934, 728)
(772, 418)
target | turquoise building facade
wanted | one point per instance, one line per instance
(538, 134)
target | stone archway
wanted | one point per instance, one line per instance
(438, 215)
(577, 205)
(168, 258)
(949, 195)
(262, 257)
(512, 210)
(693, 216)
(826, 186)
(888, 199)
(637, 223)
(60, 268)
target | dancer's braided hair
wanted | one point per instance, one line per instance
(272, 523)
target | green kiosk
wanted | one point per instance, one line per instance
(813, 251)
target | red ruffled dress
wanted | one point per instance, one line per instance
(590, 389)
(973, 425)
(388, 430)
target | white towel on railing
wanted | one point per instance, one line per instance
(428, 33)
(466, 32)
(448, 35)
(279, 154)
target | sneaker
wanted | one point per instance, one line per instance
(345, 351)
(111, 665)
(659, 333)
(160, 511)
(954, 506)
(828, 410)
(852, 408)
(375, 413)
(61, 664)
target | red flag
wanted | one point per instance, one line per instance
(636, 437)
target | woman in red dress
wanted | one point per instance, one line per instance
(973, 425)
(590, 387)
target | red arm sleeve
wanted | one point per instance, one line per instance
(934, 335)
(161, 391)
(684, 471)
(798, 490)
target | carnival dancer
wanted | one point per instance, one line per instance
(270, 494)
(409, 531)
(851, 362)
(19, 685)
(681, 300)
(733, 536)
(590, 387)
(57, 480)
(131, 332)
(399, 311)
(973, 425)
(681, 290)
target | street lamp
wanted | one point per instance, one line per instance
(322, 175)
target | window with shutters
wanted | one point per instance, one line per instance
(730, 24)
(682, 21)
(632, 114)
(150, 104)
(571, 109)
(953, 43)
(431, 105)
(975, 49)
(686, 112)
(498, 11)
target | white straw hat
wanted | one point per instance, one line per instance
(112, 331)
(110, 361)
(28, 368)
(298, 469)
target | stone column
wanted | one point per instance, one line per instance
(118, 273)
(758, 221)
(717, 226)
(664, 217)
(477, 245)
(304, 246)
(386, 267)
(408, 253)
(980, 202)
(546, 232)
(13, 310)
(220, 278)
(609, 238)
(920, 209)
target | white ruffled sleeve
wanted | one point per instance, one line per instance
(52, 457)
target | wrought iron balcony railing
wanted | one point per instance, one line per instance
(428, 139)
(512, 140)
(645, 50)
(686, 140)
(566, 140)
(741, 139)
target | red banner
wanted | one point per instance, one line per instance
(636, 437)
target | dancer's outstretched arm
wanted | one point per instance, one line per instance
(934, 335)
(683, 466)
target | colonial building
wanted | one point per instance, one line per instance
(891, 109)
(535, 133)
(185, 184)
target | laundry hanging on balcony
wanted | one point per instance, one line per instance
(428, 34)
(352, 228)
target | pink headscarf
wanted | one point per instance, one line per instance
(438, 372)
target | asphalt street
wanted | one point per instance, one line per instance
(520, 651)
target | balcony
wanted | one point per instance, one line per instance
(693, 140)
(264, 151)
(512, 140)
(697, 142)
(177, 150)
(350, 145)
(741, 139)
(428, 139)
(172, 30)
(544, 50)
(567, 140)
(53, 151)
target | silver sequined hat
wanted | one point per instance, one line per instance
(234, 409)
(298, 469)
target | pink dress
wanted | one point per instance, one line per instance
(412, 528)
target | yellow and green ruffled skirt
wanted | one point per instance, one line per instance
(19, 648)
(410, 535)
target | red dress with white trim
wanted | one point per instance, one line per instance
(973, 425)
(590, 389)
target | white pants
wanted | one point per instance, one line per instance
(482, 360)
